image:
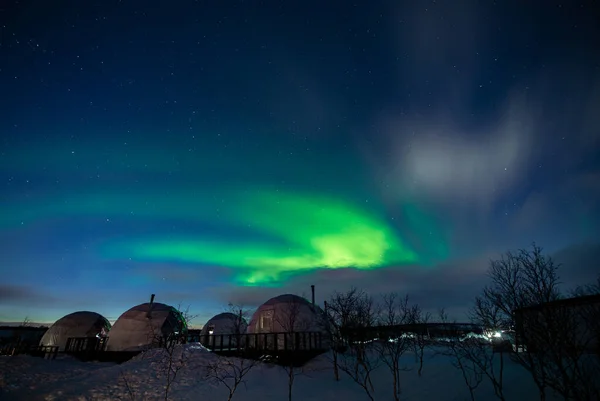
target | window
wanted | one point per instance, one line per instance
(266, 320)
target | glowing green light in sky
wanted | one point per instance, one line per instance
(311, 231)
(281, 233)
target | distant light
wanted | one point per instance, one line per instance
(210, 332)
(497, 334)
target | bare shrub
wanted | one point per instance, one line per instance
(227, 371)
(552, 338)
(352, 314)
(292, 321)
(474, 358)
(230, 372)
(395, 311)
(171, 358)
(421, 338)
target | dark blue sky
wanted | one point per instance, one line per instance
(229, 151)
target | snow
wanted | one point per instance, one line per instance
(29, 378)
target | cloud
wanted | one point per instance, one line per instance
(440, 149)
(25, 296)
(579, 264)
(435, 158)
(431, 37)
(569, 206)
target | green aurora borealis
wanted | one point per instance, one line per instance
(310, 232)
(284, 233)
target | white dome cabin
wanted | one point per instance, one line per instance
(225, 323)
(224, 330)
(145, 326)
(290, 316)
(77, 324)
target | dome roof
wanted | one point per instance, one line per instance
(287, 298)
(154, 307)
(223, 316)
(225, 323)
(285, 313)
(76, 324)
(141, 325)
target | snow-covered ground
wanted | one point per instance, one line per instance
(28, 378)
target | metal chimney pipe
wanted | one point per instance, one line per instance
(149, 313)
(312, 289)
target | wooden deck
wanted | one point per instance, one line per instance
(282, 348)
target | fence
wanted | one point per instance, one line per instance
(42, 351)
(269, 342)
(94, 349)
(282, 348)
(85, 344)
(285, 347)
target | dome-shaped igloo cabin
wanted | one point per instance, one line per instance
(76, 324)
(226, 328)
(287, 313)
(144, 326)
(225, 323)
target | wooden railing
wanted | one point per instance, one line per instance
(86, 344)
(269, 342)
(42, 351)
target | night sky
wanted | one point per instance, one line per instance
(228, 151)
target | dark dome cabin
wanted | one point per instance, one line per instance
(145, 326)
(225, 328)
(288, 313)
(77, 324)
(225, 323)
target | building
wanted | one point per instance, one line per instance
(571, 322)
(288, 322)
(145, 326)
(286, 313)
(225, 323)
(78, 324)
(225, 328)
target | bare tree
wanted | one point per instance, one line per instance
(128, 385)
(473, 357)
(421, 339)
(291, 319)
(353, 314)
(26, 322)
(240, 324)
(332, 321)
(550, 340)
(587, 289)
(167, 337)
(225, 370)
(17, 338)
(395, 313)
(230, 372)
